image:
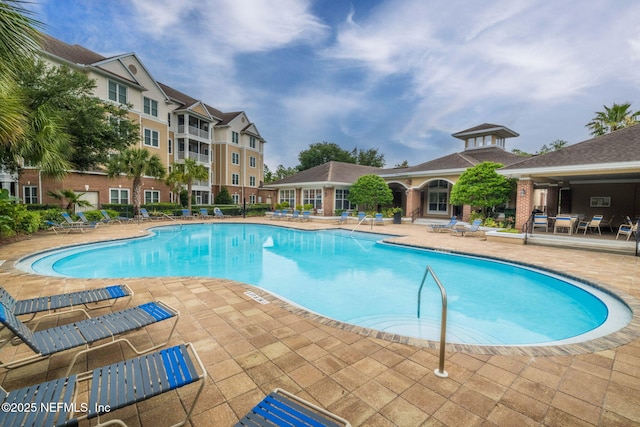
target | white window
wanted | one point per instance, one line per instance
(235, 137)
(151, 196)
(117, 92)
(252, 181)
(438, 197)
(252, 199)
(30, 194)
(235, 179)
(252, 142)
(287, 196)
(151, 138)
(151, 107)
(235, 198)
(342, 201)
(235, 158)
(252, 162)
(312, 196)
(119, 196)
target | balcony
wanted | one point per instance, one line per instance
(195, 131)
(198, 157)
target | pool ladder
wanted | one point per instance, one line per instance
(364, 218)
(440, 372)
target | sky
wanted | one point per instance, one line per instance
(399, 76)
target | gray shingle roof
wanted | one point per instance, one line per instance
(461, 160)
(337, 172)
(620, 146)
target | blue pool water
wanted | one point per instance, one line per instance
(357, 279)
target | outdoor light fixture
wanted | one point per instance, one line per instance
(523, 192)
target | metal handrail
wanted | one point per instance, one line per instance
(361, 221)
(440, 372)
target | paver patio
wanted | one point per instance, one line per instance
(251, 348)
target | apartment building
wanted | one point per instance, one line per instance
(173, 125)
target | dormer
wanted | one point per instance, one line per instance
(484, 136)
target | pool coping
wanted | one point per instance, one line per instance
(618, 338)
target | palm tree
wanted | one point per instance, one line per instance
(135, 163)
(616, 117)
(72, 198)
(186, 174)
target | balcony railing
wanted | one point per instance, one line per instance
(202, 158)
(193, 130)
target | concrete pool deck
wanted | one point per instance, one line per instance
(250, 348)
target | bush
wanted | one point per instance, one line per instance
(16, 219)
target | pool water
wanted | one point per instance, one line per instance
(354, 278)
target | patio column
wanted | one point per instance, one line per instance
(524, 201)
(412, 201)
(552, 200)
(466, 213)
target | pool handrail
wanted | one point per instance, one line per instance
(440, 372)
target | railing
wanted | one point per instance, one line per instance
(440, 372)
(417, 212)
(202, 158)
(527, 227)
(364, 218)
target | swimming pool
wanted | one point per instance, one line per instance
(356, 279)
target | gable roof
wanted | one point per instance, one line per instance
(619, 149)
(327, 173)
(458, 161)
(486, 129)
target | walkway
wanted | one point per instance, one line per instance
(251, 348)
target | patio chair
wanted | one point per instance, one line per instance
(56, 227)
(378, 219)
(436, 228)
(276, 214)
(563, 222)
(608, 223)
(76, 225)
(627, 230)
(186, 214)
(593, 224)
(344, 217)
(46, 342)
(218, 213)
(306, 216)
(108, 220)
(294, 216)
(109, 388)
(85, 221)
(204, 213)
(281, 408)
(144, 215)
(474, 228)
(72, 301)
(540, 221)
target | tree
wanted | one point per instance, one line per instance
(481, 186)
(223, 197)
(404, 164)
(95, 127)
(556, 145)
(321, 153)
(618, 116)
(186, 174)
(370, 191)
(135, 163)
(26, 133)
(73, 199)
(370, 157)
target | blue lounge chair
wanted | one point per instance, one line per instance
(295, 215)
(218, 213)
(204, 213)
(361, 216)
(46, 342)
(378, 219)
(436, 228)
(72, 301)
(77, 225)
(56, 227)
(344, 218)
(138, 379)
(108, 220)
(277, 214)
(281, 408)
(186, 214)
(85, 221)
(306, 216)
(474, 228)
